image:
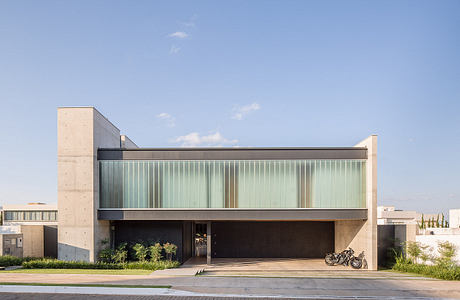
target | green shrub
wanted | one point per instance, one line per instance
(155, 252)
(447, 252)
(140, 251)
(170, 250)
(106, 255)
(60, 264)
(150, 265)
(120, 254)
(8, 260)
(435, 271)
(413, 250)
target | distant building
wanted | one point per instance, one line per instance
(454, 218)
(30, 214)
(388, 215)
(29, 230)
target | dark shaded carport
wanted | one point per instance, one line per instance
(252, 233)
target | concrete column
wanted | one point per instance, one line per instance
(361, 235)
(208, 243)
(81, 131)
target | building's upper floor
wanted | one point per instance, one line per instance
(30, 214)
(233, 178)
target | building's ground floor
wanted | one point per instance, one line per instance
(246, 239)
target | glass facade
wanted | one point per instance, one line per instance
(233, 184)
(30, 215)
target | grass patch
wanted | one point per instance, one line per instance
(433, 271)
(87, 285)
(82, 271)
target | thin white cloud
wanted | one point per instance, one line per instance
(167, 118)
(191, 22)
(194, 139)
(174, 49)
(179, 35)
(239, 112)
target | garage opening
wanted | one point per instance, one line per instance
(288, 239)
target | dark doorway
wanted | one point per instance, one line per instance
(306, 239)
(200, 239)
(50, 235)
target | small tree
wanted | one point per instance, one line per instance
(155, 252)
(422, 224)
(106, 253)
(170, 250)
(447, 252)
(437, 221)
(140, 251)
(413, 250)
(443, 221)
(121, 253)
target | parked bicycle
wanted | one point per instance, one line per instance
(346, 258)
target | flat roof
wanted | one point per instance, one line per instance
(239, 153)
(31, 207)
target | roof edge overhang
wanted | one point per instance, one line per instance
(232, 153)
(296, 214)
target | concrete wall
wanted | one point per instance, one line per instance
(9, 245)
(454, 218)
(433, 240)
(127, 143)
(33, 240)
(81, 131)
(361, 235)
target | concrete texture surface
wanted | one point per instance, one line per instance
(33, 240)
(81, 131)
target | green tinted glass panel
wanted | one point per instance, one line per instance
(233, 184)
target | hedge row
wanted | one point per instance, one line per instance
(149, 265)
(435, 271)
(59, 264)
(8, 260)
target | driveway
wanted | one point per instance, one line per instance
(381, 285)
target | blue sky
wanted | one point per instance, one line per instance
(246, 73)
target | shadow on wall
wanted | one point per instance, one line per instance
(68, 252)
(346, 233)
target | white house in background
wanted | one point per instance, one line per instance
(35, 224)
(454, 218)
(388, 215)
(35, 213)
(431, 237)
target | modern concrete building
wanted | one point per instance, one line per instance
(37, 225)
(30, 214)
(245, 202)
